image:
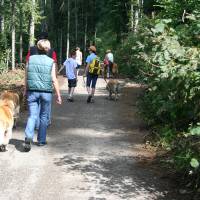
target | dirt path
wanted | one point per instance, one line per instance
(91, 154)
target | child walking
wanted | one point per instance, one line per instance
(71, 73)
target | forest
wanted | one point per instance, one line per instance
(155, 42)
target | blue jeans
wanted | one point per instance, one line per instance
(48, 117)
(34, 99)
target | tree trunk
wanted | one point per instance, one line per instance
(32, 25)
(13, 33)
(85, 35)
(21, 37)
(137, 14)
(2, 16)
(141, 8)
(132, 17)
(44, 21)
(76, 23)
(61, 38)
(68, 26)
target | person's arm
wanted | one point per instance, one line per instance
(25, 80)
(87, 65)
(54, 56)
(75, 70)
(56, 85)
(87, 68)
(81, 56)
(28, 55)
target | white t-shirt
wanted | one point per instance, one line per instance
(110, 57)
(79, 57)
(70, 67)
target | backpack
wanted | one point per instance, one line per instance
(95, 66)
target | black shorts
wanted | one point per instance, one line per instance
(72, 83)
(91, 80)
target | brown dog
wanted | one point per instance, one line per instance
(7, 108)
(115, 69)
(113, 88)
(14, 97)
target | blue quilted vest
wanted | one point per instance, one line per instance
(39, 73)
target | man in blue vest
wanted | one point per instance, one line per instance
(40, 76)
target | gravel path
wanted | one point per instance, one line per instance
(91, 154)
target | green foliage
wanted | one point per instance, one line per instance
(132, 52)
(165, 55)
(4, 56)
(172, 98)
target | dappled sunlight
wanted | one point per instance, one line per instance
(90, 133)
(113, 175)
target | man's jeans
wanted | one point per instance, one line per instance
(34, 99)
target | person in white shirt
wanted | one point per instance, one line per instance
(110, 58)
(71, 73)
(78, 58)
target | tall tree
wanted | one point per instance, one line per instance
(13, 32)
(68, 27)
(32, 24)
(2, 16)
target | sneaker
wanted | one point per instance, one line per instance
(92, 100)
(40, 144)
(89, 98)
(27, 145)
(70, 99)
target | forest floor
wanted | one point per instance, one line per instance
(95, 152)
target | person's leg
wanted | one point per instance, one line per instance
(33, 101)
(69, 89)
(38, 118)
(77, 69)
(73, 85)
(88, 83)
(72, 92)
(108, 71)
(46, 99)
(49, 115)
(111, 69)
(94, 81)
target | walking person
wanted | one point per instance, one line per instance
(71, 73)
(39, 81)
(78, 58)
(93, 69)
(110, 58)
(52, 54)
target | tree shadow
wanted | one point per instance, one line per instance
(120, 176)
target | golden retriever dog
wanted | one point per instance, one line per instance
(113, 88)
(14, 97)
(7, 108)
